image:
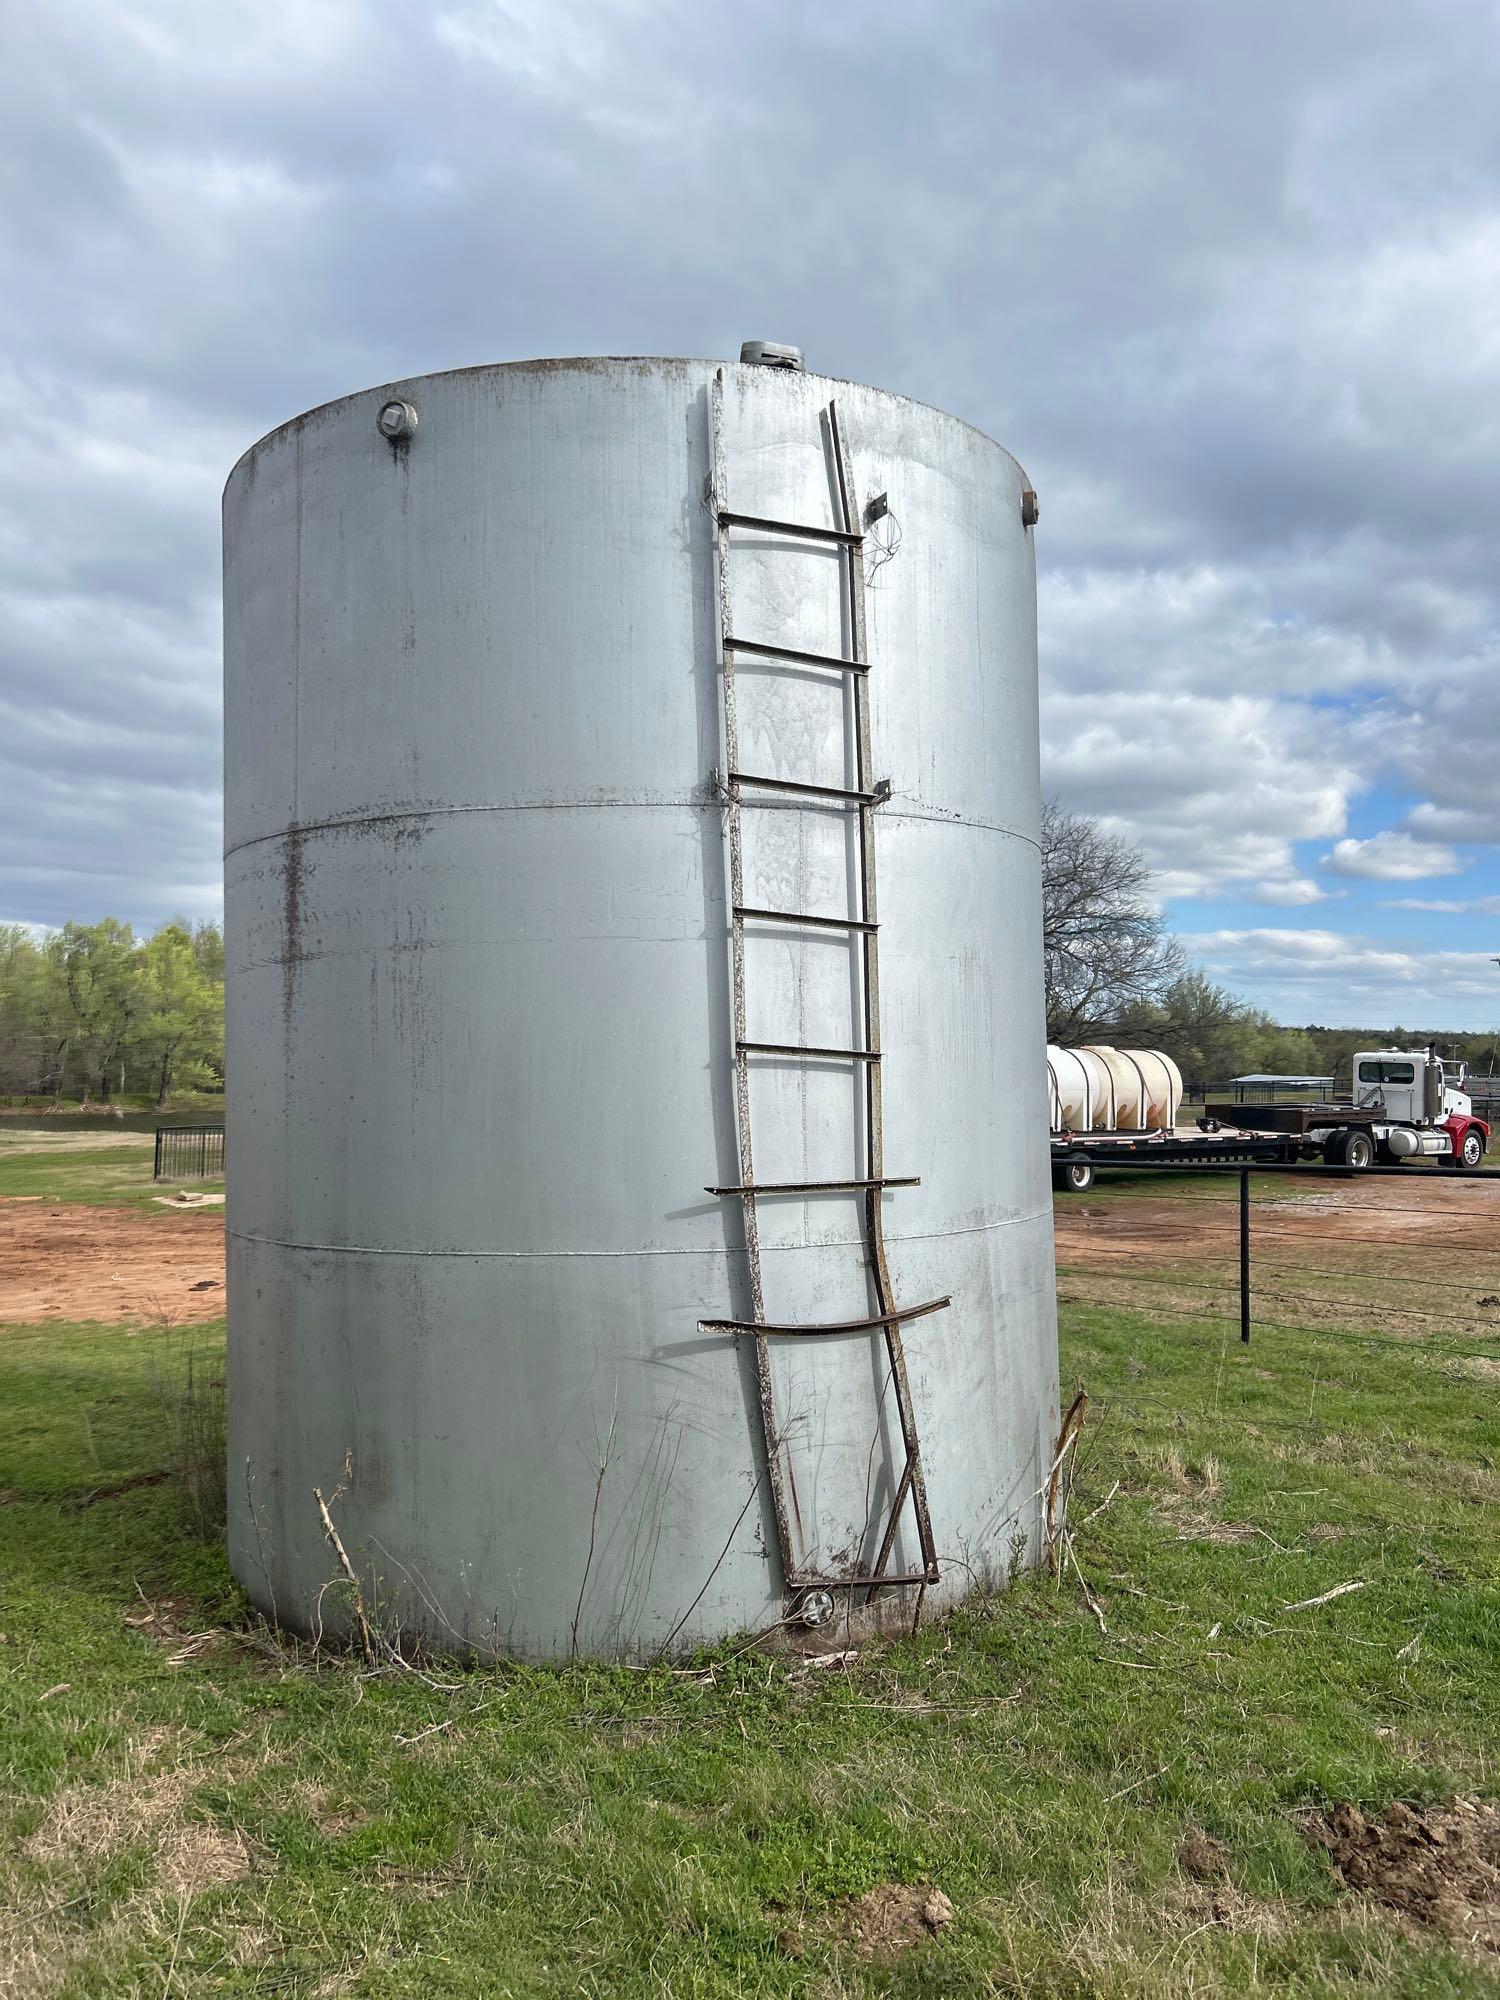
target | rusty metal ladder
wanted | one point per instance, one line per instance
(861, 800)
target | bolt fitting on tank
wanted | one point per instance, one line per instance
(1031, 509)
(397, 421)
(814, 1608)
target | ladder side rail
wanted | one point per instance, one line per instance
(912, 1480)
(765, 1388)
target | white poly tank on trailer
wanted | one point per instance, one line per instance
(501, 987)
(1161, 1088)
(1071, 1085)
(1100, 1089)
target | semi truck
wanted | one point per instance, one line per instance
(1404, 1105)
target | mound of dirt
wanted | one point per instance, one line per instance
(892, 1916)
(1440, 1867)
(1202, 1856)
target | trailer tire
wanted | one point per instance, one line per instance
(1073, 1176)
(1470, 1151)
(1357, 1152)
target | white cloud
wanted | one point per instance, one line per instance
(1296, 893)
(1215, 789)
(1344, 980)
(1392, 857)
(1483, 906)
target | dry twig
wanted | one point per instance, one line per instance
(1067, 1437)
(1339, 1590)
(1088, 1596)
(366, 1636)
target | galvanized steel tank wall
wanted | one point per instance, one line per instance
(480, 1049)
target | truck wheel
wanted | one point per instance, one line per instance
(1073, 1177)
(1470, 1151)
(1358, 1152)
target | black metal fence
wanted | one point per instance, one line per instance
(189, 1153)
(1255, 1261)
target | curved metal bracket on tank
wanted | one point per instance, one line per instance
(826, 1326)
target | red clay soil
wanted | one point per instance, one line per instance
(1336, 1216)
(69, 1261)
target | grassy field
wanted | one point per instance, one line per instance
(108, 1167)
(1115, 1801)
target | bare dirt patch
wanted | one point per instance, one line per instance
(1201, 1856)
(72, 1261)
(1360, 1252)
(1439, 1868)
(318, 1802)
(1139, 1230)
(893, 1916)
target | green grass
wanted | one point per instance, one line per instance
(64, 1169)
(603, 1832)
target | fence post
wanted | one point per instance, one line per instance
(156, 1163)
(1245, 1255)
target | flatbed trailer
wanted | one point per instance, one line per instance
(1076, 1158)
(1407, 1106)
(1294, 1120)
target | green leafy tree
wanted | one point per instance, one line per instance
(101, 978)
(180, 1029)
(23, 975)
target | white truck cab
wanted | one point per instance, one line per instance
(1411, 1086)
(1406, 1104)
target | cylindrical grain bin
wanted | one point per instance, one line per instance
(483, 1007)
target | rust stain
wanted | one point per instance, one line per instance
(291, 912)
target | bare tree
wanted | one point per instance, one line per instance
(1106, 945)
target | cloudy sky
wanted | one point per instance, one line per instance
(1226, 277)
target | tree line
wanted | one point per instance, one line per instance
(94, 1013)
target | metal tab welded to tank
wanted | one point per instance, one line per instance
(501, 1000)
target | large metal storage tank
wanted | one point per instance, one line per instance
(482, 1003)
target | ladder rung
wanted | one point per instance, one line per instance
(808, 791)
(827, 1326)
(794, 654)
(813, 1187)
(804, 917)
(798, 528)
(802, 1049)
